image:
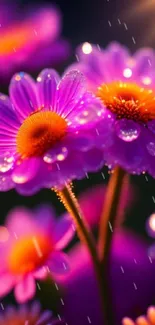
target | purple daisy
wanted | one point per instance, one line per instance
(30, 42)
(126, 86)
(32, 249)
(27, 315)
(47, 132)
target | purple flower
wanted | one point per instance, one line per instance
(30, 41)
(126, 86)
(27, 315)
(47, 132)
(31, 249)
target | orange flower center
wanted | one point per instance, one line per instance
(39, 132)
(128, 100)
(14, 39)
(29, 253)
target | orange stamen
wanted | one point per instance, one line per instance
(29, 253)
(40, 132)
(128, 100)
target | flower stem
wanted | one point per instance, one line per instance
(108, 219)
(70, 202)
(110, 211)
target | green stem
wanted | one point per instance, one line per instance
(71, 204)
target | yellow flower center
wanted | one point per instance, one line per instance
(14, 39)
(29, 253)
(39, 132)
(128, 100)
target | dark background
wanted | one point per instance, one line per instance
(101, 21)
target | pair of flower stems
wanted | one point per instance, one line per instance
(100, 253)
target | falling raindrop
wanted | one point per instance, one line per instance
(151, 148)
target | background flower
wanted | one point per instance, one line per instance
(126, 86)
(32, 250)
(24, 314)
(30, 39)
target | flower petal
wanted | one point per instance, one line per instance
(23, 95)
(7, 283)
(63, 232)
(58, 263)
(45, 318)
(19, 217)
(41, 273)
(86, 111)
(47, 88)
(26, 171)
(6, 183)
(70, 88)
(25, 290)
(145, 63)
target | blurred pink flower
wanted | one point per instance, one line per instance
(32, 250)
(30, 41)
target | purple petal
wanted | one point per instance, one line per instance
(47, 88)
(58, 263)
(63, 232)
(145, 62)
(93, 160)
(85, 112)
(23, 95)
(6, 183)
(25, 290)
(45, 217)
(70, 88)
(26, 171)
(116, 60)
(7, 283)
(45, 318)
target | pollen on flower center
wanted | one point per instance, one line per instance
(39, 132)
(128, 100)
(29, 253)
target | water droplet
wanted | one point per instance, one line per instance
(151, 148)
(6, 163)
(63, 154)
(127, 130)
(48, 158)
(87, 115)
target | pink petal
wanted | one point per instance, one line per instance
(63, 232)
(58, 263)
(41, 273)
(6, 283)
(20, 222)
(25, 290)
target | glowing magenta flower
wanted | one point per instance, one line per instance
(149, 319)
(47, 132)
(126, 86)
(32, 250)
(27, 315)
(31, 42)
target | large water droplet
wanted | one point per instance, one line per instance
(127, 130)
(151, 148)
